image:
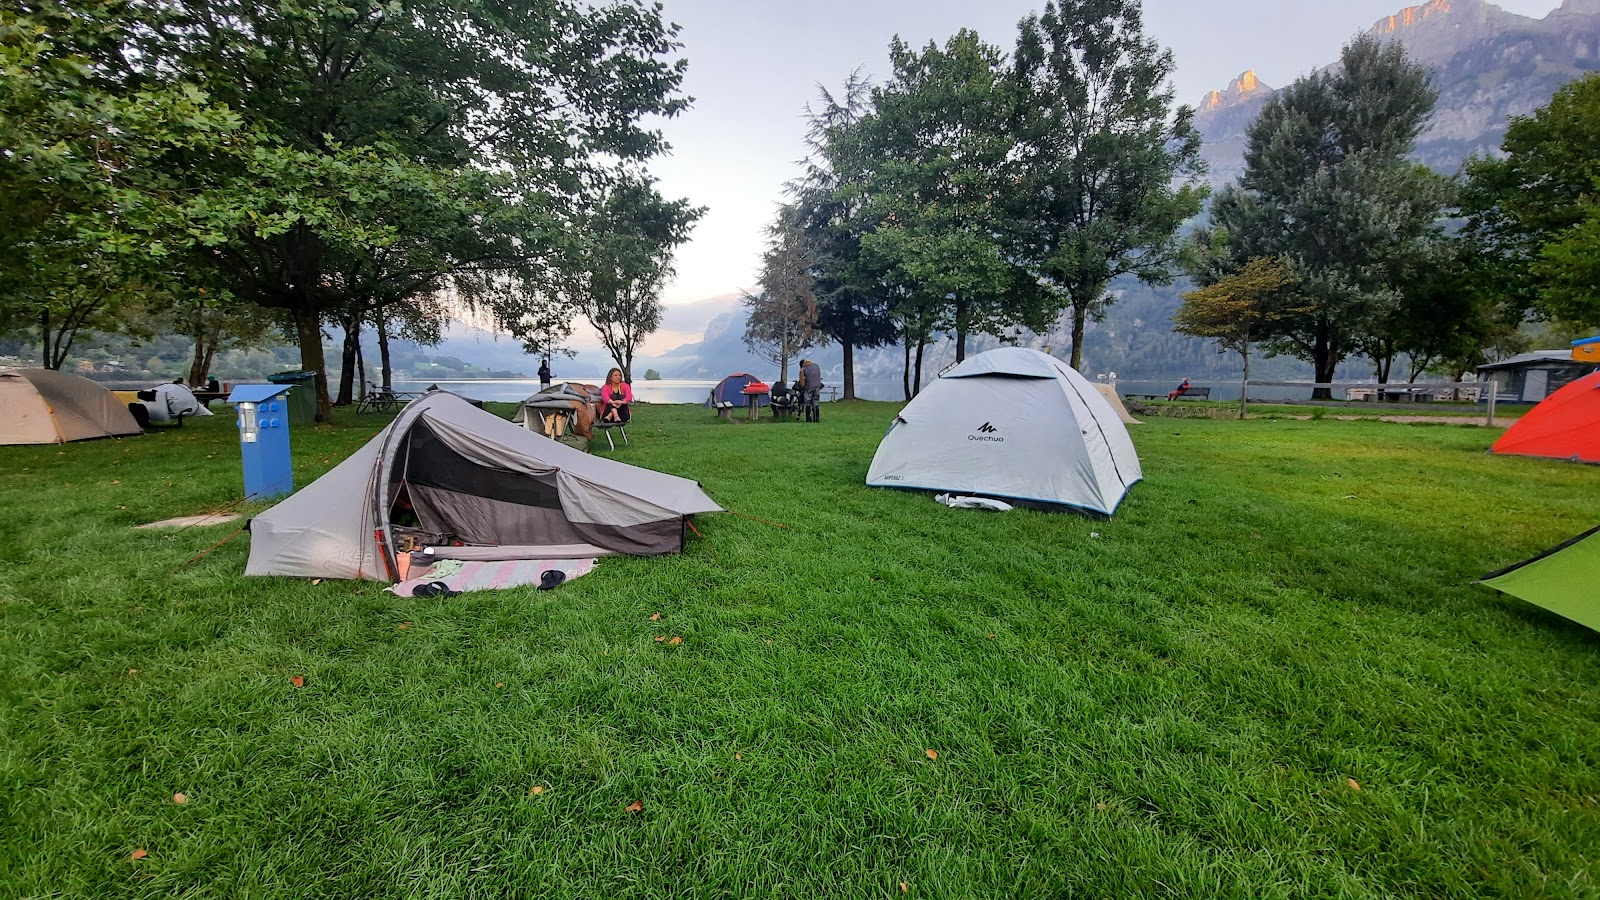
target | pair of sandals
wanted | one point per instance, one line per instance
(551, 578)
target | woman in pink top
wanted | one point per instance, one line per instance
(615, 398)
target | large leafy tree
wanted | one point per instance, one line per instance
(99, 206)
(1536, 209)
(417, 145)
(1328, 189)
(624, 261)
(1236, 307)
(1107, 165)
(938, 139)
(829, 202)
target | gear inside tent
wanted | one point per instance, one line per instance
(1016, 425)
(449, 476)
(1564, 579)
(43, 406)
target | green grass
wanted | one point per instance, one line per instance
(1172, 703)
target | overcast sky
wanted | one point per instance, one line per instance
(753, 65)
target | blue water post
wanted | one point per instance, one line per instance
(264, 439)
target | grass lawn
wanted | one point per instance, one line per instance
(1268, 676)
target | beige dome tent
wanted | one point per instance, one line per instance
(503, 491)
(42, 406)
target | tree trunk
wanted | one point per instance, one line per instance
(905, 369)
(383, 351)
(849, 370)
(1080, 315)
(44, 336)
(916, 385)
(347, 359)
(961, 331)
(1322, 361)
(308, 330)
(197, 375)
(1244, 386)
(361, 372)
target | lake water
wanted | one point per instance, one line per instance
(666, 390)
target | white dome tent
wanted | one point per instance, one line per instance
(1014, 424)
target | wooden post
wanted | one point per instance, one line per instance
(1494, 394)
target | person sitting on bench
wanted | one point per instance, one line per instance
(616, 399)
(1180, 391)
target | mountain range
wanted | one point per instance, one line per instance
(1488, 65)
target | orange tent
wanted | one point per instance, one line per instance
(42, 406)
(1566, 425)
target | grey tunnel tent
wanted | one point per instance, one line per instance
(470, 473)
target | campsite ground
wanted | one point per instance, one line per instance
(1268, 676)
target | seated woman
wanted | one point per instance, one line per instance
(616, 399)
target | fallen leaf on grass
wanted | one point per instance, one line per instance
(180, 798)
(140, 853)
(298, 681)
(738, 756)
(660, 638)
(931, 753)
(404, 625)
(655, 617)
(636, 806)
(316, 581)
(116, 482)
(905, 888)
(769, 640)
(675, 640)
(1355, 785)
(133, 671)
(536, 790)
(499, 684)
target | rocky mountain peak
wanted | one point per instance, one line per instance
(1239, 91)
(1578, 8)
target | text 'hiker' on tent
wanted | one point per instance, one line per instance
(1014, 424)
(445, 471)
(43, 406)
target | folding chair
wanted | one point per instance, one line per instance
(621, 428)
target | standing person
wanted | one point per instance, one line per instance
(616, 399)
(544, 373)
(809, 386)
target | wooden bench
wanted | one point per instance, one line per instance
(1193, 393)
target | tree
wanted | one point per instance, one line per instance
(97, 203)
(1236, 307)
(625, 260)
(938, 137)
(1327, 189)
(781, 320)
(407, 150)
(828, 202)
(1108, 167)
(1536, 210)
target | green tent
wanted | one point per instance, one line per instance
(1564, 579)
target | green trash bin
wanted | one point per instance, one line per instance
(302, 395)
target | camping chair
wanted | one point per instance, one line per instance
(621, 427)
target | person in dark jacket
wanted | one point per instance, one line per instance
(544, 374)
(809, 387)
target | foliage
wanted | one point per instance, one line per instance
(99, 208)
(1536, 209)
(652, 375)
(409, 148)
(1172, 702)
(781, 321)
(1108, 167)
(1328, 189)
(1235, 307)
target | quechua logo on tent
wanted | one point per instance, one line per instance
(986, 432)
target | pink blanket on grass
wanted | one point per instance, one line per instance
(479, 575)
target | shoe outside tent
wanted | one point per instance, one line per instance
(1564, 579)
(43, 406)
(1565, 425)
(502, 491)
(1016, 425)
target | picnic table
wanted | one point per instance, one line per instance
(380, 400)
(753, 394)
(205, 397)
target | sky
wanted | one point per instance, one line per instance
(754, 65)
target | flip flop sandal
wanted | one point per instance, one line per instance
(551, 578)
(433, 589)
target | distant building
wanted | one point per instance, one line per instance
(1531, 377)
